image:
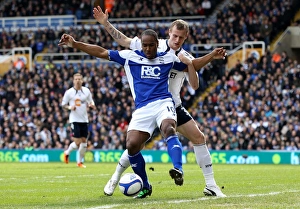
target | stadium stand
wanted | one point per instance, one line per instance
(121, 9)
(254, 105)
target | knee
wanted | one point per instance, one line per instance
(200, 138)
(132, 147)
(169, 131)
(77, 141)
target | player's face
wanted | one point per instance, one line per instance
(177, 38)
(77, 81)
(149, 46)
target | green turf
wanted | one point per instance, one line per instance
(56, 185)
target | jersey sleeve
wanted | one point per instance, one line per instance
(89, 99)
(178, 65)
(185, 53)
(118, 56)
(136, 44)
(65, 99)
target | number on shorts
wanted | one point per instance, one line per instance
(171, 109)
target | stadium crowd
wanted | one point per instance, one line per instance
(254, 106)
(235, 23)
(82, 9)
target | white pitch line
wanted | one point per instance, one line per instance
(199, 199)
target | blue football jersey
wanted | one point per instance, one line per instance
(148, 78)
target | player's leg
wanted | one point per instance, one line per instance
(167, 123)
(76, 142)
(188, 128)
(83, 144)
(141, 127)
(137, 161)
(174, 150)
(71, 147)
(123, 164)
(82, 150)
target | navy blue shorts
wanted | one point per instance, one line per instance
(183, 116)
(79, 130)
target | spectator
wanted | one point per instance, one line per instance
(45, 136)
(62, 132)
(206, 5)
(24, 100)
(19, 64)
(266, 30)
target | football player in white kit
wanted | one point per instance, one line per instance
(178, 32)
(77, 99)
(147, 72)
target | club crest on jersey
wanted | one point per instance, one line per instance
(150, 72)
(161, 60)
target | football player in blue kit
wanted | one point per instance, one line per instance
(186, 125)
(148, 74)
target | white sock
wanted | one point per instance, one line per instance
(204, 161)
(71, 147)
(122, 166)
(82, 151)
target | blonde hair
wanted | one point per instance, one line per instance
(180, 25)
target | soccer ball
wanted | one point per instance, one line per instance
(130, 184)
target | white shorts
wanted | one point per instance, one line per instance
(149, 117)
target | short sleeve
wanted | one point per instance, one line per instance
(136, 44)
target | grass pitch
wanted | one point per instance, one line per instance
(57, 185)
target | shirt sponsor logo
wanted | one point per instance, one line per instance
(150, 72)
(77, 102)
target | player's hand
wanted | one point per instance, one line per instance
(66, 40)
(92, 106)
(186, 60)
(101, 17)
(219, 53)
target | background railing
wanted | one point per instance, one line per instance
(36, 22)
(66, 58)
(33, 23)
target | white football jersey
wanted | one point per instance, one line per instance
(80, 99)
(176, 78)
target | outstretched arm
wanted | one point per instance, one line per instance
(118, 36)
(193, 75)
(94, 50)
(217, 53)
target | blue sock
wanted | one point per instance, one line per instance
(138, 165)
(175, 151)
